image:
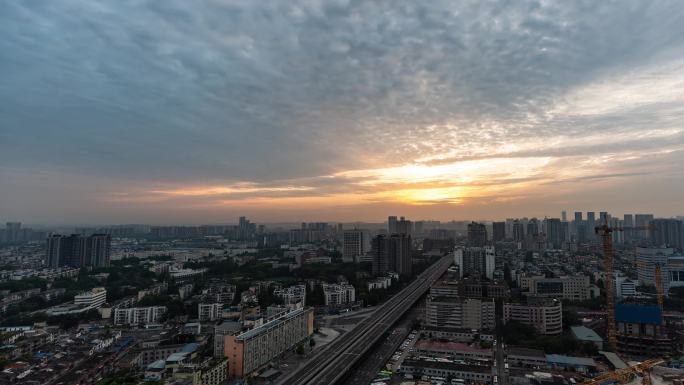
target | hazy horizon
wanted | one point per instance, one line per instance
(181, 112)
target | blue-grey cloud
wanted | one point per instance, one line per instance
(218, 91)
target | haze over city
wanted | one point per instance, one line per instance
(171, 112)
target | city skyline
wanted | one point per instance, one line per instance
(338, 111)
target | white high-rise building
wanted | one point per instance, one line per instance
(475, 261)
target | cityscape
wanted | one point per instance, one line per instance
(522, 300)
(341, 192)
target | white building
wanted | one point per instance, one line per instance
(292, 294)
(209, 311)
(138, 315)
(460, 313)
(545, 314)
(93, 299)
(625, 287)
(339, 294)
(380, 283)
(475, 261)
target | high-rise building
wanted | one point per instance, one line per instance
(52, 252)
(72, 251)
(475, 261)
(518, 231)
(604, 218)
(352, 245)
(391, 253)
(642, 221)
(404, 226)
(666, 232)
(379, 249)
(477, 234)
(555, 233)
(498, 231)
(532, 228)
(77, 251)
(13, 232)
(392, 224)
(590, 226)
(564, 216)
(627, 222)
(98, 250)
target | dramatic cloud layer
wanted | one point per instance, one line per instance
(180, 111)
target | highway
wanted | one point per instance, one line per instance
(332, 364)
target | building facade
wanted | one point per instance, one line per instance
(545, 314)
(256, 348)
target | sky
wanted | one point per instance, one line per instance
(199, 111)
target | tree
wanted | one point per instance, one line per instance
(312, 343)
(300, 349)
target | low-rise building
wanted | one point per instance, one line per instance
(254, 349)
(209, 311)
(545, 314)
(292, 294)
(138, 315)
(339, 294)
(456, 312)
(92, 299)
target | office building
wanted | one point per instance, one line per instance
(498, 231)
(53, 247)
(475, 261)
(254, 349)
(544, 314)
(339, 294)
(352, 245)
(93, 299)
(138, 315)
(460, 313)
(477, 234)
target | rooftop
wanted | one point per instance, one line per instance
(635, 313)
(569, 360)
(583, 333)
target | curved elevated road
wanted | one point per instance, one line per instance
(332, 364)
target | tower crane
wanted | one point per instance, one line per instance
(625, 375)
(605, 232)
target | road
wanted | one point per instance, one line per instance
(332, 364)
(501, 371)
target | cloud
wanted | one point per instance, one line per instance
(328, 99)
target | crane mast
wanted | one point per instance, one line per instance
(606, 234)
